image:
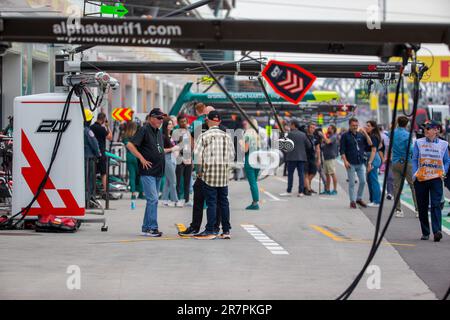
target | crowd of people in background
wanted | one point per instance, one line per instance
(164, 148)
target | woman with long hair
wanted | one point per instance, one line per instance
(374, 166)
(169, 196)
(251, 144)
(134, 180)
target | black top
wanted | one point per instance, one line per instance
(375, 142)
(149, 142)
(100, 133)
(353, 146)
(167, 142)
(311, 144)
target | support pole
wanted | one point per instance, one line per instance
(224, 90)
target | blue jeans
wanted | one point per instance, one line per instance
(300, 166)
(426, 191)
(217, 196)
(360, 170)
(151, 189)
(170, 186)
(373, 183)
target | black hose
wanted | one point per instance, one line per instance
(26, 210)
(447, 295)
(378, 238)
(78, 90)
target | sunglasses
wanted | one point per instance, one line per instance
(159, 118)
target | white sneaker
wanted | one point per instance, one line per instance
(286, 194)
(417, 214)
(163, 203)
(189, 204)
(301, 195)
(373, 205)
(170, 204)
(179, 204)
(399, 214)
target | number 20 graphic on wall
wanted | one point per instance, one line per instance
(53, 126)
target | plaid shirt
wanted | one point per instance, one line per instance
(214, 152)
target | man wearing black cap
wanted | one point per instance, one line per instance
(199, 196)
(214, 152)
(148, 147)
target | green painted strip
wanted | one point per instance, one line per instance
(407, 197)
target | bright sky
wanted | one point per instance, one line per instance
(396, 10)
(431, 11)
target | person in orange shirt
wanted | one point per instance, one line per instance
(430, 162)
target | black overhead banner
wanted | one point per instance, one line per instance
(261, 35)
(339, 69)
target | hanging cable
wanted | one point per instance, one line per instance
(285, 144)
(447, 295)
(24, 212)
(78, 88)
(233, 101)
(378, 238)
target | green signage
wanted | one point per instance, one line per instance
(210, 98)
(361, 96)
(118, 10)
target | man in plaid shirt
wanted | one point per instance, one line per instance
(214, 153)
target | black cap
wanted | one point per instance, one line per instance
(157, 112)
(432, 124)
(214, 116)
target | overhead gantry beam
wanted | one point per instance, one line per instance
(261, 35)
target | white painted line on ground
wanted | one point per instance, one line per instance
(272, 196)
(406, 204)
(280, 252)
(275, 248)
(270, 245)
(280, 179)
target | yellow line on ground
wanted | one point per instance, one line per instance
(327, 233)
(384, 243)
(181, 227)
(340, 239)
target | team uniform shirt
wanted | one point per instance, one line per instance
(199, 122)
(214, 151)
(430, 159)
(91, 148)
